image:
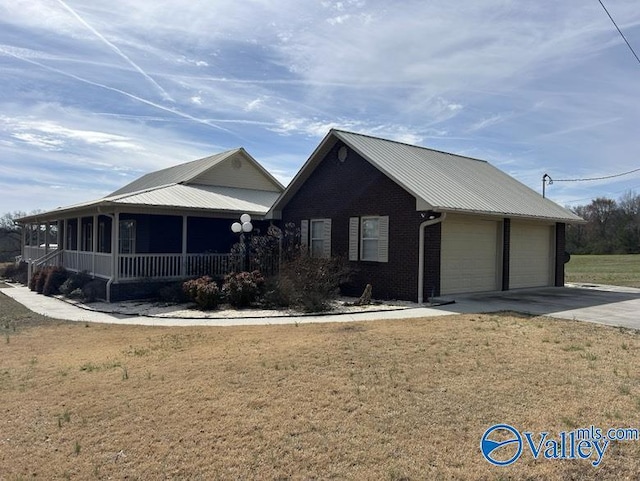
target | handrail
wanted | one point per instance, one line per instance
(47, 257)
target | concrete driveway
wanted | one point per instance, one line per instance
(612, 305)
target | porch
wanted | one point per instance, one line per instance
(133, 267)
(136, 248)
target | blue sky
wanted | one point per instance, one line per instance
(95, 94)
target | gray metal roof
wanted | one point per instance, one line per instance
(205, 197)
(440, 181)
(178, 188)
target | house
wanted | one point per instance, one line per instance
(418, 223)
(167, 225)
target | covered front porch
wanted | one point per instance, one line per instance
(130, 247)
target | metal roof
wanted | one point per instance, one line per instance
(228, 199)
(174, 175)
(440, 181)
(190, 171)
(178, 188)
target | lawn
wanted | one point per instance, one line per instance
(617, 270)
(388, 400)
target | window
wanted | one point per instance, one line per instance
(127, 241)
(317, 238)
(316, 234)
(369, 238)
(87, 237)
(103, 238)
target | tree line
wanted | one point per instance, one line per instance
(612, 227)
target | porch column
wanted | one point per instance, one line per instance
(78, 243)
(47, 228)
(183, 267)
(59, 234)
(115, 247)
(94, 246)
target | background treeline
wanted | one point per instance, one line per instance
(10, 236)
(613, 227)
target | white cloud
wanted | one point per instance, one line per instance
(540, 83)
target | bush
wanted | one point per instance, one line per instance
(203, 291)
(16, 273)
(56, 276)
(34, 279)
(41, 278)
(278, 293)
(73, 283)
(243, 288)
(311, 282)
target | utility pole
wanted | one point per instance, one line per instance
(545, 178)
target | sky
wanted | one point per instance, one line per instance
(96, 94)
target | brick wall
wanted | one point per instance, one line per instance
(354, 188)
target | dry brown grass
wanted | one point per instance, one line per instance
(380, 400)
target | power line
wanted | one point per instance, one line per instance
(546, 179)
(551, 181)
(620, 31)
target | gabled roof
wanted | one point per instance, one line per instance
(191, 172)
(439, 181)
(225, 183)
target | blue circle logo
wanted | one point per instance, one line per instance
(501, 445)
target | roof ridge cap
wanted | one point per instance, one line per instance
(369, 136)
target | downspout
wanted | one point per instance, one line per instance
(422, 227)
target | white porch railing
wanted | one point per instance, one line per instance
(34, 252)
(80, 261)
(138, 266)
(168, 266)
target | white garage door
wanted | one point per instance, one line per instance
(468, 255)
(530, 255)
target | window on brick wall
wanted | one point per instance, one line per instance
(316, 235)
(369, 238)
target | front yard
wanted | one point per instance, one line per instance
(617, 270)
(378, 400)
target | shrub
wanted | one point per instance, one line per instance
(73, 283)
(56, 276)
(41, 279)
(278, 292)
(311, 282)
(203, 291)
(15, 272)
(34, 279)
(243, 288)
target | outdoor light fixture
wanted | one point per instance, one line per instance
(244, 225)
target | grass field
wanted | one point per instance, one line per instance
(617, 270)
(393, 400)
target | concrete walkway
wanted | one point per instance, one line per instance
(59, 309)
(616, 306)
